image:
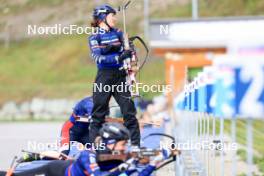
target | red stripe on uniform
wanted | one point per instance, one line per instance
(69, 170)
(103, 46)
(65, 133)
(86, 173)
(97, 47)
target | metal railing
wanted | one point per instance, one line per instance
(230, 90)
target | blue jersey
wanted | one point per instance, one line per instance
(73, 130)
(98, 44)
(82, 108)
(86, 165)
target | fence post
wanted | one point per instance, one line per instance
(207, 140)
(249, 146)
(233, 131)
(222, 121)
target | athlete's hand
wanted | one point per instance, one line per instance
(125, 55)
(164, 154)
(129, 164)
(112, 48)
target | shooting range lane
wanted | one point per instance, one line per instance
(15, 137)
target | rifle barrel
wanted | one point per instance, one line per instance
(125, 7)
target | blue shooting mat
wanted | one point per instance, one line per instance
(31, 165)
(152, 141)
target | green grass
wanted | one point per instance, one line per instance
(16, 8)
(36, 3)
(241, 134)
(152, 74)
(231, 8)
(56, 67)
(49, 67)
(213, 8)
(193, 72)
(173, 11)
(242, 154)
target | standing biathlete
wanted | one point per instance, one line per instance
(74, 130)
(108, 52)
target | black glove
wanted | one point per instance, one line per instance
(111, 48)
(125, 55)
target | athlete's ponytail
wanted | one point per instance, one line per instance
(95, 23)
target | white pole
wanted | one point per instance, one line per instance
(213, 131)
(195, 12)
(233, 130)
(222, 122)
(172, 83)
(207, 139)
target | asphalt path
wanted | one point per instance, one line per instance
(15, 136)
